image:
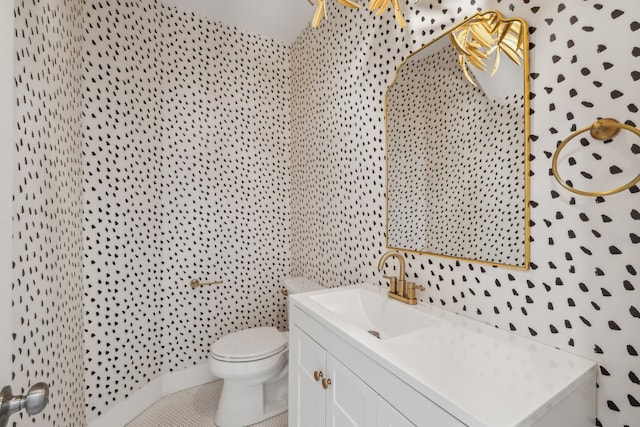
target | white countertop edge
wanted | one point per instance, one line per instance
(367, 345)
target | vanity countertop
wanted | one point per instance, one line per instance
(482, 375)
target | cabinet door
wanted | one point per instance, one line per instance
(306, 395)
(388, 416)
(350, 402)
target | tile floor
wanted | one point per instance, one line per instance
(194, 407)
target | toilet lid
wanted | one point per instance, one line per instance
(252, 343)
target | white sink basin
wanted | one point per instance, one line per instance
(379, 315)
(482, 375)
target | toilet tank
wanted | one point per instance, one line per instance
(294, 285)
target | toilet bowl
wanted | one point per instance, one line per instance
(254, 366)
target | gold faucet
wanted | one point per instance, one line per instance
(396, 284)
(398, 287)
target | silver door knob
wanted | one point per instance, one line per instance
(34, 402)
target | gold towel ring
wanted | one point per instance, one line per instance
(602, 129)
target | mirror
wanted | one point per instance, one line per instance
(458, 146)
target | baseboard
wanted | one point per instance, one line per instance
(187, 378)
(128, 409)
(168, 383)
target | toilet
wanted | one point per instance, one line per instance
(254, 366)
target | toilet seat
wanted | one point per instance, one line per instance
(253, 365)
(249, 344)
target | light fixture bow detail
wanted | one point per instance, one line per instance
(476, 40)
(375, 5)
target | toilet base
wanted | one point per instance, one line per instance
(243, 403)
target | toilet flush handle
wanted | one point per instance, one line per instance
(196, 283)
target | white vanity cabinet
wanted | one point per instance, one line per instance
(306, 360)
(380, 363)
(327, 393)
(323, 391)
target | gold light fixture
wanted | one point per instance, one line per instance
(488, 33)
(375, 5)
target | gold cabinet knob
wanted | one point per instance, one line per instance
(326, 382)
(317, 375)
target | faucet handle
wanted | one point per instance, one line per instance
(393, 283)
(416, 286)
(411, 290)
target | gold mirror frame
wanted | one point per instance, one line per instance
(526, 105)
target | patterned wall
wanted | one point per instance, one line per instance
(47, 209)
(123, 152)
(582, 291)
(456, 182)
(187, 176)
(226, 183)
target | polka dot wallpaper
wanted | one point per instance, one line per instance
(153, 146)
(186, 152)
(582, 291)
(226, 183)
(47, 209)
(123, 153)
